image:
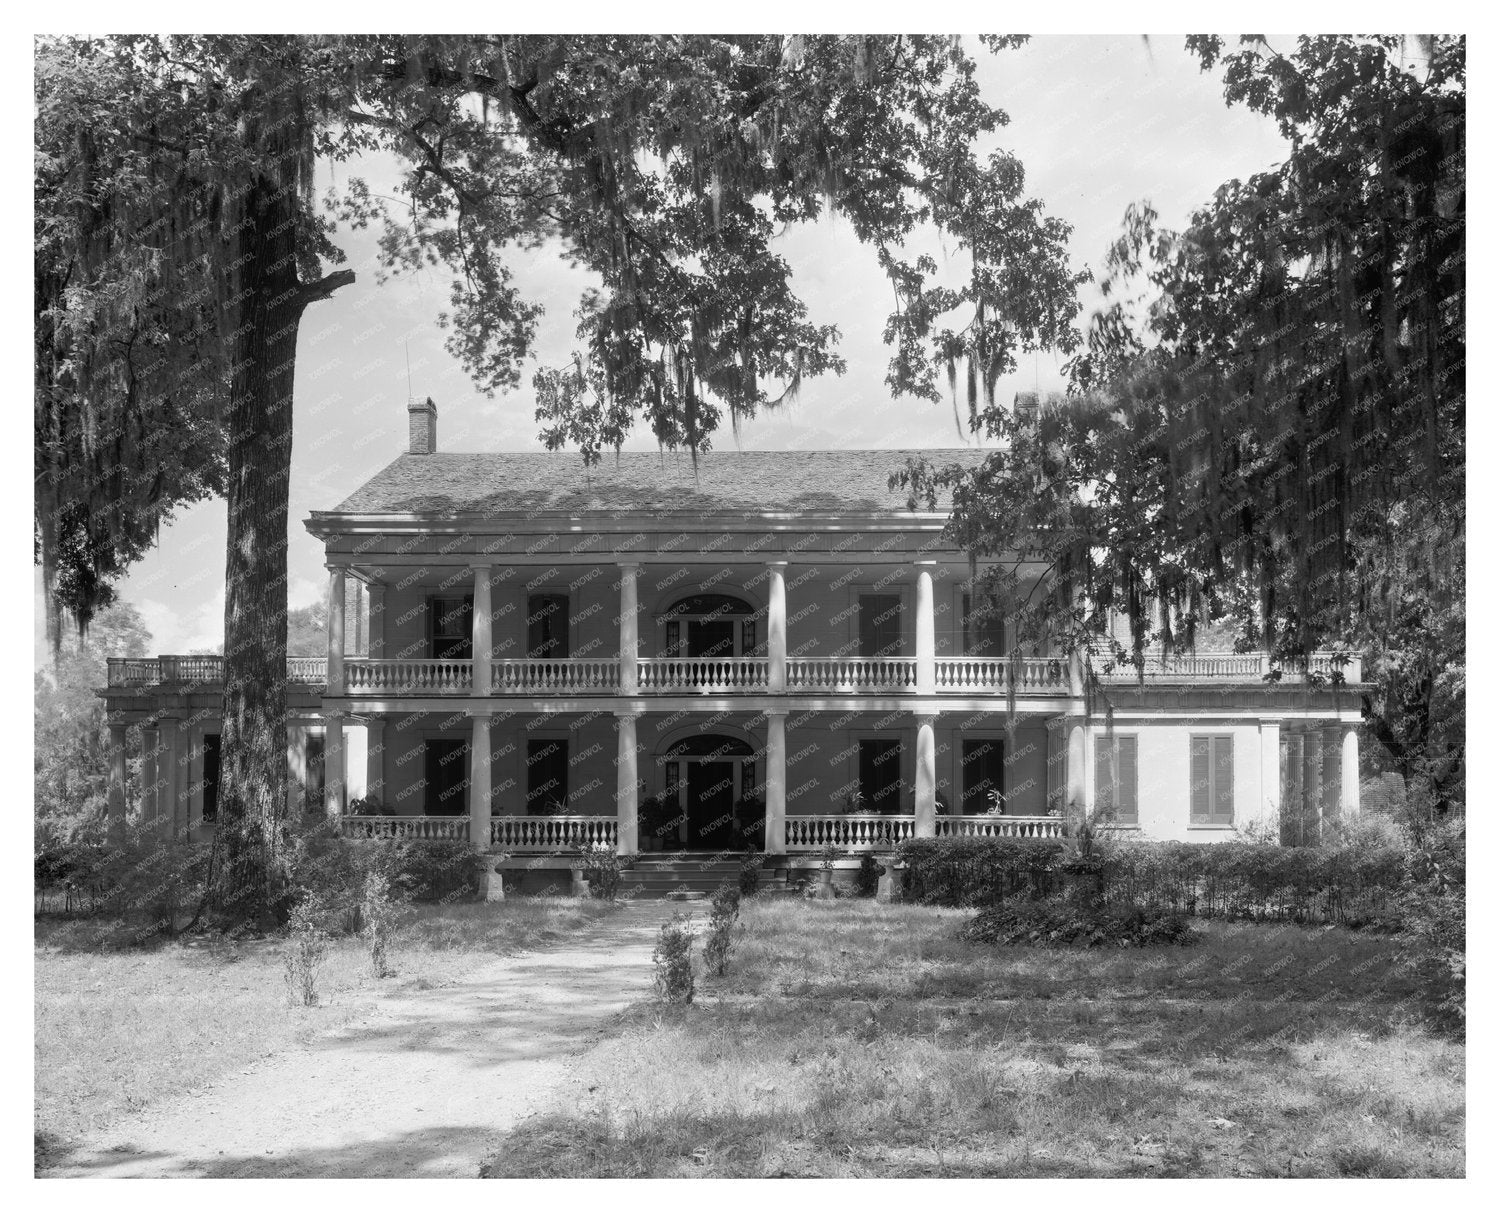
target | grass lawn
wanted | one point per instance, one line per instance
(118, 1028)
(853, 1039)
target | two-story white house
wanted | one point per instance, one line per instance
(768, 647)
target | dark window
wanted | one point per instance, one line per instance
(547, 625)
(546, 776)
(984, 628)
(880, 625)
(446, 767)
(1110, 762)
(880, 776)
(1212, 778)
(312, 789)
(210, 777)
(983, 773)
(450, 628)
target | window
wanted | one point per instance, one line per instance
(880, 625)
(312, 787)
(546, 776)
(450, 628)
(1212, 779)
(880, 776)
(446, 768)
(984, 628)
(547, 625)
(983, 772)
(210, 777)
(1115, 777)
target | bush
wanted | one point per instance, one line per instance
(379, 912)
(601, 868)
(672, 959)
(867, 879)
(1069, 923)
(305, 951)
(720, 940)
(750, 875)
(978, 871)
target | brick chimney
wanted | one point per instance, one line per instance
(422, 427)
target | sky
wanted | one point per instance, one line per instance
(1099, 122)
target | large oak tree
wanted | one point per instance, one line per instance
(178, 247)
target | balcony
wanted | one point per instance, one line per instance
(374, 677)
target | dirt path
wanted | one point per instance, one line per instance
(420, 1088)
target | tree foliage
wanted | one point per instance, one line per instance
(178, 245)
(1267, 422)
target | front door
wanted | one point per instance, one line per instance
(710, 638)
(710, 812)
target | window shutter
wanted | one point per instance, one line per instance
(1223, 804)
(1126, 794)
(674, 637)
(1105, 794)
(1201, 775)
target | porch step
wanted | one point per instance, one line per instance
(686, 879)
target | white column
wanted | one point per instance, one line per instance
(479, 783)
(1077, 787)
(1332, 762)
(169, 777)
(926, 631)
(629, 639)
(1312, 782)
(116, 825)
(1349, 773)
(376, 594)
(296, 770)
(627, 784)
(333, 765)
(151, 798)
(335, 629)
(776, 624)
(484, 649)
(926, 822)
(1270, 774)
(775, 843)
(375, 758)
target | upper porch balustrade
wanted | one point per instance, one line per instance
(421, 677)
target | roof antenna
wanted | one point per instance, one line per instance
(409, 397)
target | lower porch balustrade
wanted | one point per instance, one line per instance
(541, 834)
(848, 832)
(448, 829)
(999, 827)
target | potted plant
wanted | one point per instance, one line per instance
(825, 861)
(997, 804)
(855, 806)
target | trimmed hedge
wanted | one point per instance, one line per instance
(979, 871)
(1352, 885)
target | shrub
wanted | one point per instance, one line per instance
(601, 868)
(867, 879)
(977, 871)
(719, 942)
(750, 875)
(673, 960)
(305, 951)
(379, 912)
(1069, 923)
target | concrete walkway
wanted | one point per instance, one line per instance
(419, 1089)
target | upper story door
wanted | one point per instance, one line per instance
(880, 619)
(547, 625)
(450, 628)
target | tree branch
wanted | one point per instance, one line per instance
(314, 292)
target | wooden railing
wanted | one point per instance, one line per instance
(576, 674)
(723, 674)
(992, 674)
(851, 674)
(999, 827)
(552, 833)
(448, 828)
(731, 675)
(404, 676)
(847, 831)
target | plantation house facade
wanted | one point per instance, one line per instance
(768, 649)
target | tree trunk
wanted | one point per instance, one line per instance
(250, 884)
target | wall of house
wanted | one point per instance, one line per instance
(1165, 782)
(822, 604)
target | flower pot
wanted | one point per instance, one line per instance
(825, 885)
